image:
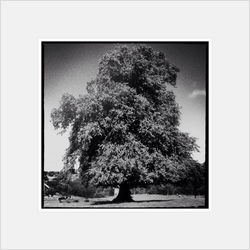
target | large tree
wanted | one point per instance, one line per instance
(124, 132)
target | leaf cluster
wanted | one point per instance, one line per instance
(125, 129)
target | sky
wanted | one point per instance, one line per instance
(69, 66)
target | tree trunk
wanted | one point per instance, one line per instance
(124, 194)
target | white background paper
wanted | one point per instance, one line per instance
(225, 225)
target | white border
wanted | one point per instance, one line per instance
(227, 225)
(161, 210)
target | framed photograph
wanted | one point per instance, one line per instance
(121, 109)
(125, 124)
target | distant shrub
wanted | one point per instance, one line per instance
(167, 189)
(78, 189)
(52, 173)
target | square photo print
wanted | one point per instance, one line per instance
(125, 125)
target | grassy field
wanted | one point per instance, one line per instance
(140, 201)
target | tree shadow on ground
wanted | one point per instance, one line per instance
(115, 202)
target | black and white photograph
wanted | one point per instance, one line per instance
(125, 124)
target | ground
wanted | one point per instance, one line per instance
(140, 200)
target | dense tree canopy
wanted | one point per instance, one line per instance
(193, 175)
(124, 131)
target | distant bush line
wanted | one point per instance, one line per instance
(61, 186)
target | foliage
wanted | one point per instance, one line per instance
(193, 177)
(125, 129)
(64, 184)
(50, 173)
(77, 188)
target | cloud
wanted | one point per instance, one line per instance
(195, 93)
